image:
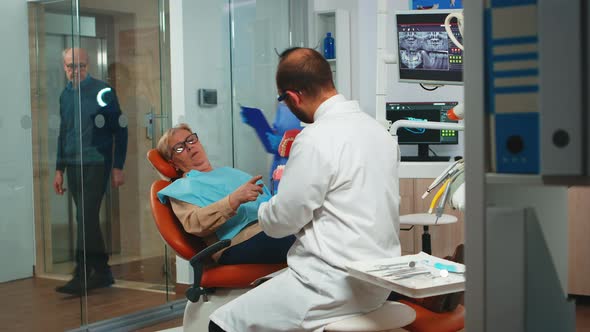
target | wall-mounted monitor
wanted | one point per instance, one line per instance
(426, 53)
(423, 138)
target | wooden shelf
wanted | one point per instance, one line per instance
(536, 180)
(517, 179)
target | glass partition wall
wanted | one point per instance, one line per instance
(118, 84)
(99, 98)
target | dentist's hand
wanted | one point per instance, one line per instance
(274, 141)
(247, 192)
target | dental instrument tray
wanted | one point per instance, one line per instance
(420, 275)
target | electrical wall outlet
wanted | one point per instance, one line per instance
(207, 97)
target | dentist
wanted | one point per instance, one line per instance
(339, 196)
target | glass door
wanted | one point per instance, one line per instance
(101, 103)
(261, 31)
(229, 48)
(128, 52)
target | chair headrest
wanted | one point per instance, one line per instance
(287, 141)
(184, 244)
(163, 167)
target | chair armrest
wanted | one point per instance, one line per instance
(209, 251)
(195, 291)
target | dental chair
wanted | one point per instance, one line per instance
(430, 321)
(217, 284)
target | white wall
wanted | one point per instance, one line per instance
(199, 34)
(260, 28)
(200, 58)
(16, 184)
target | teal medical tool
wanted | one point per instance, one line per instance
(448, 267)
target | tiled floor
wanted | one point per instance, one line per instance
(33, 305)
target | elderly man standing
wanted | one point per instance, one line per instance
(92, 145)
(339, 195)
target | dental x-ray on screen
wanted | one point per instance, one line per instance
(426, 53)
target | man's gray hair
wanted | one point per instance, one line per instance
(77, 50)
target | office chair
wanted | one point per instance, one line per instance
(228, 281)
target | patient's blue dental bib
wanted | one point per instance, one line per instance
(205, 188)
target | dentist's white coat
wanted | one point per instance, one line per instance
(339, 195)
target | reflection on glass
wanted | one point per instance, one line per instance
(97, 72)
(90, 146)
(126, 48)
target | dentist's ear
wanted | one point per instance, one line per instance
(296, 97)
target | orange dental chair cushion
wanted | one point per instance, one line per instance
(429, 321)
(161, 166)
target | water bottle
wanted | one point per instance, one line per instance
(329, 46)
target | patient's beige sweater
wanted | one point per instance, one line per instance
(204, 221)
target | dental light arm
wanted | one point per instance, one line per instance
(457, 112)
(423, 124)
(449, 175)
(452, 169)
(443, 201)
(458, 197)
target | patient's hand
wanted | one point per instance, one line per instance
(247, 192)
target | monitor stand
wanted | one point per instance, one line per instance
(423, 155)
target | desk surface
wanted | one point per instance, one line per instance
(426, 219)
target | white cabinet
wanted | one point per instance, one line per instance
(517, 267)
(338, 23)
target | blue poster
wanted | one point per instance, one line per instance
(436, 4)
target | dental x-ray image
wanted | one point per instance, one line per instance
(424, 50)
(436, 4)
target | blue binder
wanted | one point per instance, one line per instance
(256, 119)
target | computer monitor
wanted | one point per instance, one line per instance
(427, 111)
(426, 53)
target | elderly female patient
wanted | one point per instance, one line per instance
(218, 203)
